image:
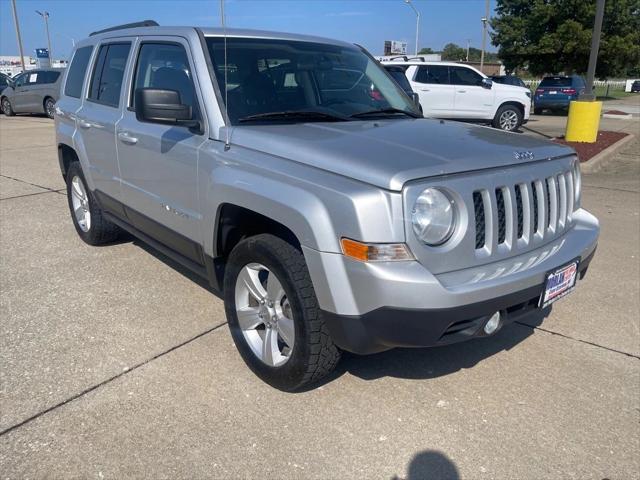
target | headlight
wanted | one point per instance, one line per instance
(433, 217)
(577, 182)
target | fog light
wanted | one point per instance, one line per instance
(493, 324)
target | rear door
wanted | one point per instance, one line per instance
(159, 163)
(472, 100)
(431, 83)
(100, 113)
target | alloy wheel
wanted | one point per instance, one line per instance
(80, 201)
(508, 120)
(264, 314)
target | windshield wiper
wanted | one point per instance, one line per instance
(385, 111)
(295, 114)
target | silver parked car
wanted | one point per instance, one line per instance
(300, 180)
(33, 91)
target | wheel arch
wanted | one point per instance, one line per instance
(66, 155)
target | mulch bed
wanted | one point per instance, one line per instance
(616, 112)
(589, 150)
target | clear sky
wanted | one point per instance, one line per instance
(366, 22)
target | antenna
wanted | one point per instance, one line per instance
(227, 145)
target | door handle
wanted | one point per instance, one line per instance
(83, 123)
(462, 91)
(124, 137)
(425, 90)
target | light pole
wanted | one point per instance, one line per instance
(15, 20)
(408, 2)
(484, 21)
(45, 16)
(593, 56)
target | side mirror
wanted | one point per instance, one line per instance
(416, 99)
(163, 106)
(486, 83)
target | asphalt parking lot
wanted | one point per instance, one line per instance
(117, 363)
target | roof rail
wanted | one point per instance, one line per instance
(420, 59)
(144, 23)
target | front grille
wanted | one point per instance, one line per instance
(542, 207)
(502, 221)
(478, 206)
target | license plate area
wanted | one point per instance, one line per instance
(559, 283)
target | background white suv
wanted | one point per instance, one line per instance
(456, 91)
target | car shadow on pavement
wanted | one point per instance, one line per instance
(427, 363)
(430, 465)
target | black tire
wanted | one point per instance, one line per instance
(512, 110)
(100, 230)
(49, 107)
(537, 111)
(7, 109)
(314, 355)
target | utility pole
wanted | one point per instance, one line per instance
(484, 21)
(15, 20)
(468, 43)
(45, 16)
(593, 56)
(408, 2)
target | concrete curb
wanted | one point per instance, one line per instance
(595, 163)
(616, 116)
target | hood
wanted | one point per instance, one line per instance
(389, 153)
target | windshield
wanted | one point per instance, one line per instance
(555, 82)
(274, 76)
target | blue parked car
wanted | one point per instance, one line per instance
(555, 93)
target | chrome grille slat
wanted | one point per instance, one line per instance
(562, 215)
(512, 217)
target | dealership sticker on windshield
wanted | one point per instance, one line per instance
(559, 283)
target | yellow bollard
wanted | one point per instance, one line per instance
(583, 121)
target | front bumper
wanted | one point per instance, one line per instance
(370, 307)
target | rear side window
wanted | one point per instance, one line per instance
(77, 70)
(555, 82)
(438, 74)
(400, 78)
(47, 77)
(108, 74)
(165, 66)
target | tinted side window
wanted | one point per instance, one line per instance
(3, 81)
(77, 70)
(32, 78)
(464, 76)
(165, 66)
(438, 74)
(47, 77)
(108, 73)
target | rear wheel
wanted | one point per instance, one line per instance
(49, 107)
(274, 316)
(88, 217)
(7, 109)
(508, 118)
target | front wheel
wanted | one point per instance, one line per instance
(508, 118)
(7, 109)
(274, 316)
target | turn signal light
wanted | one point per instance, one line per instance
(375, 252)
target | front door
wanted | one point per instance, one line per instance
(101, 111)
(159, 163)
(431, 83)
(472, 100)
(19, 99)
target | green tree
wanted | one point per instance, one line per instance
(552, 36)
(453, 52)
(425, 51)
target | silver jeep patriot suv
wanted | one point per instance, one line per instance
(301, 181)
